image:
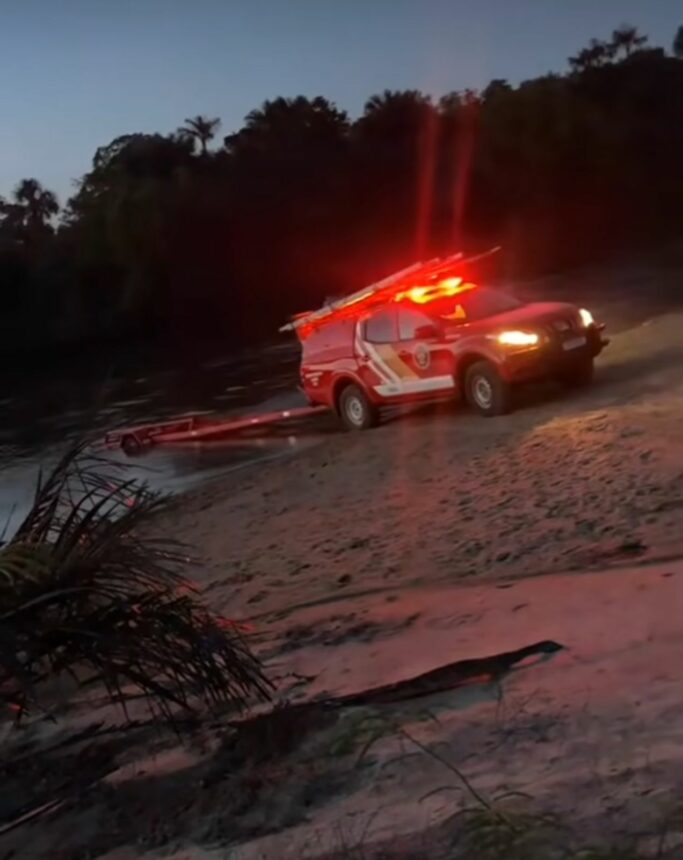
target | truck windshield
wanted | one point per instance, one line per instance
(477, 304)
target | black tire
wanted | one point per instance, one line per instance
(578, 375)
(485, 391)
(355, 409)
(130, 444)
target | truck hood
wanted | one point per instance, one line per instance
(535, 313)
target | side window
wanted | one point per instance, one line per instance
(409, 321)
(381, 327)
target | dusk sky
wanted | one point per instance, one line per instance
(74, 74)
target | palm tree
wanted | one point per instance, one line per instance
(37, 204)
(86, 592)
(626, 39)
(678, 44)
(200, 129)
(596, 54)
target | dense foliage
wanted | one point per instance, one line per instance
(88, 593)
(175, 237)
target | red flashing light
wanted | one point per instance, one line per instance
(444, 289)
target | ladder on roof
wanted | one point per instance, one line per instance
(388, 285)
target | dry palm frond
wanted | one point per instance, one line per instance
(85, 591)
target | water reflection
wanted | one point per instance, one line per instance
(40, 415)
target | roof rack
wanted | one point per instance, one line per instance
(384, 289)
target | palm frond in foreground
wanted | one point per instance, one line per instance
(85, 591)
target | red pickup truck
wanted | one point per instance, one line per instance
(428, 333)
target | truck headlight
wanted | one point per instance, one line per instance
(586, 317)
(517, 338)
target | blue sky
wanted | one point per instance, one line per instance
(76, 73)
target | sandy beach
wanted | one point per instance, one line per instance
(374, 557)
(569, 481)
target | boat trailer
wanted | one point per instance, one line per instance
(196, 428)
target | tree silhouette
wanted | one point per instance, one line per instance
(450, 103)
(201, 130)
(497, 87)
(678, 44)
(166, 236)
(596, 54)
(39, 204)
(28, 216)
(11, 219)
(394, 112)
(626, 39)
(286, 124)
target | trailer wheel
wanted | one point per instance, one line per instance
(131, 444)
(355, 409)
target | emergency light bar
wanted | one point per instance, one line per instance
(383, 290)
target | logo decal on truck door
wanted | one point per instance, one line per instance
(422, 356)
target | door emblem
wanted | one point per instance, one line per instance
(422, 356)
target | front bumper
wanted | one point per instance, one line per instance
(552, 357)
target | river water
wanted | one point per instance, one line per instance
(42, 413)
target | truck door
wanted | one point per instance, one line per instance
(401, 354)
(421, 348)
(375, 339)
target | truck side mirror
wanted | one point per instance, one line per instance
(429, 331)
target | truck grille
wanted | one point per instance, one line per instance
(563, 327)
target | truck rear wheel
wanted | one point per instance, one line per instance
(486, 391)
(356, 410)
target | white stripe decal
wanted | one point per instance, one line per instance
(379, 362)
(363, 349)
(416, 386)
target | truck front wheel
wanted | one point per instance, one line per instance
(356, 410)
